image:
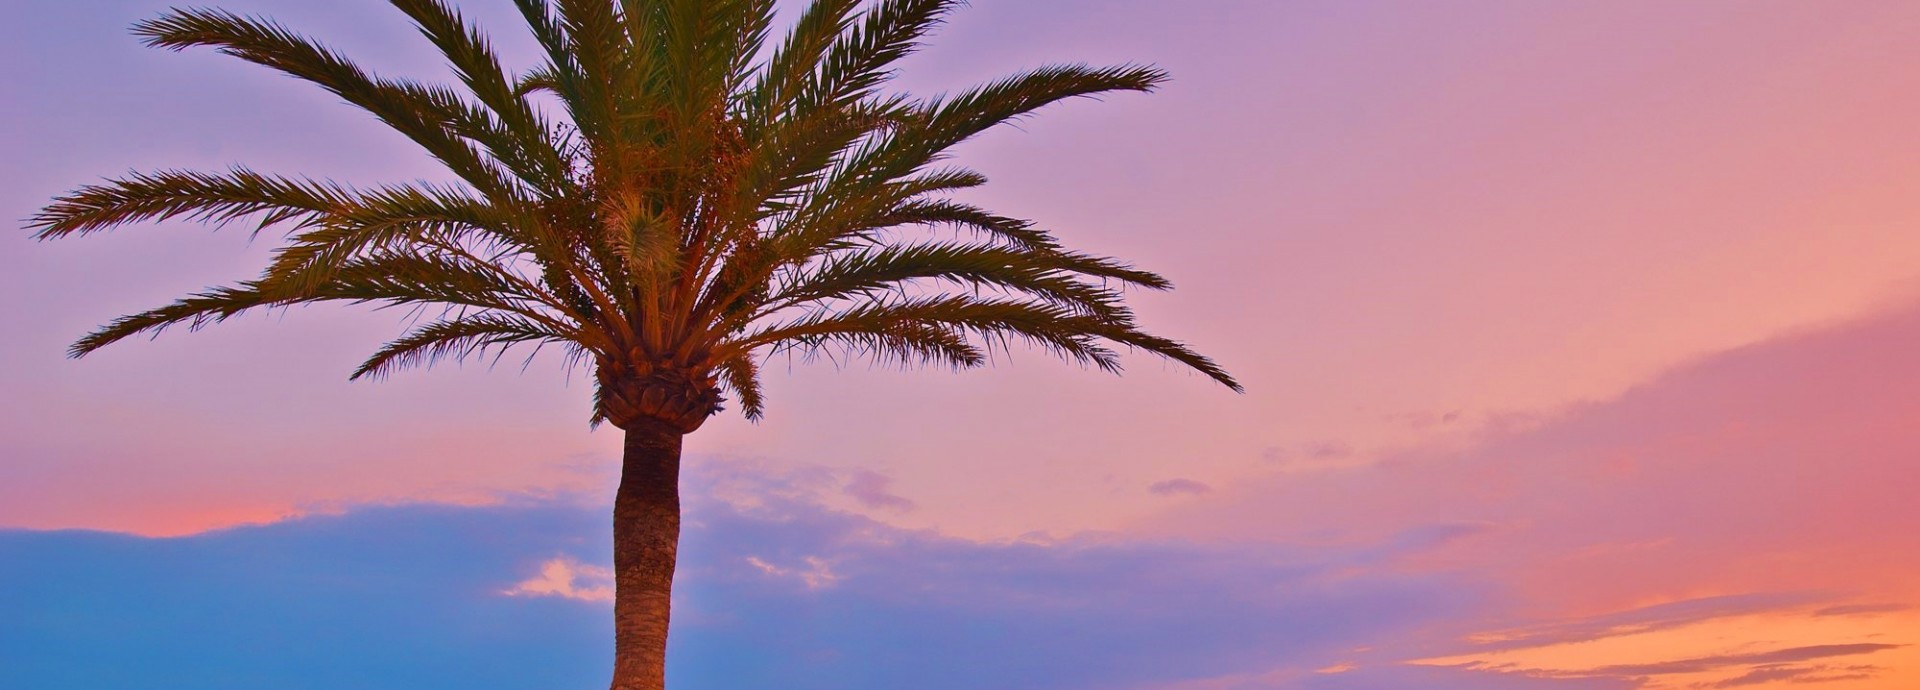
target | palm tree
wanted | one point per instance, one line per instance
(669, 197)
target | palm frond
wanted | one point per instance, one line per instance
(455, 339)
(194, 196)
(474, 60)
(944, 122)
(928, 326)
(196, 311)
(391, 278)
(419, 113)
(669, 194)
(867, 273)
(796, 62)
(742, 376)
(861, 59)
(1169, 349)
(975, 220)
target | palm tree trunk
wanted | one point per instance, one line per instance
(646, 536)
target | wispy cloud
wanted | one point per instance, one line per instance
(1862, 609)
(566, 578)
(1795, 674)
(1645, 619)
(813, 571)
(1178, 487)
(1767, 660)
(875, 490)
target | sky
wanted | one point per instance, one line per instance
(1579, 341)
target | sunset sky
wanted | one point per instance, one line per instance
(1581, 340)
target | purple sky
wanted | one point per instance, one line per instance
(1578, 336)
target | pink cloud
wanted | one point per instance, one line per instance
(875, 490)
(567, 578)
(1771, 484)
(1755, 467)
(1178, 487)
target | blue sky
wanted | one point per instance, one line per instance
(777, 591)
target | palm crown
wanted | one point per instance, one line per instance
(669, 196)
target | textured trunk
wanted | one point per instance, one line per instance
(646, 536)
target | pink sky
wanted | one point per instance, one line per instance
(1623, 291)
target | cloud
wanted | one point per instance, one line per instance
(1392, 676)
(890, 607)
(1404, 677)
(567, 578)
(1773, 477)
(1312, 455)
(812, 571)
(1710, 663)
(1742, 474)
(1645, 619)
(875, 490)
(1801, 445)
(779, 590)
(1796, 674)
(377, 597)
(1178, 487)
(1862, 609)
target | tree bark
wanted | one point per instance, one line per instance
(646, 538)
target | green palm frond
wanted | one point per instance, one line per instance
(473, 58)
(867, 273)
(426, 115)
(684, 197)
(941, 123)
(187, 195)
(860, 61)
(742, 376)
(976, 220)
(794, 65)
(456, 339)
(918, 324)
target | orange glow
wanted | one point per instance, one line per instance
(1732, 647)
